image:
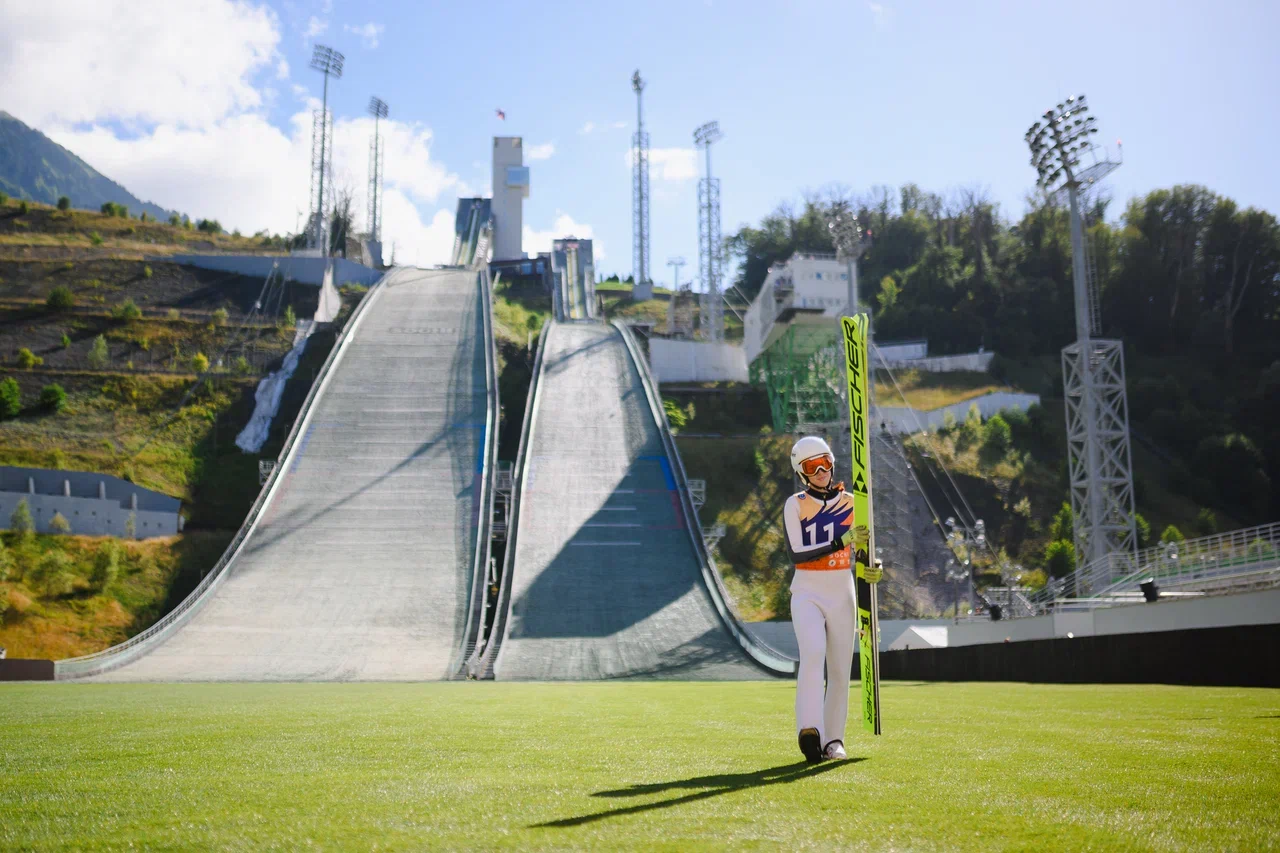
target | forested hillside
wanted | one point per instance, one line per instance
(1189, 281)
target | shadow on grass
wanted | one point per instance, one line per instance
(721, 783)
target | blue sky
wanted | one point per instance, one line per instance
(859, 93)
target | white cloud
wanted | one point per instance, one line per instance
(282, 69)
(315, 27)
(540, 241)
(592, 127)
(668, 164)
(195, 138)
(618, 125)
(587, 128)
(880, 14)
(133, 61)
(368, 33)
(540, 152)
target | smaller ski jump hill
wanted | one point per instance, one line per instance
(605, 576)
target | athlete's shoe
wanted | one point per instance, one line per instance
(811, 745)
(835, 751)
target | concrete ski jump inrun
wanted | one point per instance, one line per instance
(361, 564)
(606, 582)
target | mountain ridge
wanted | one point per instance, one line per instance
(34, 167)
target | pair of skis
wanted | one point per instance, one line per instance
(858, 369)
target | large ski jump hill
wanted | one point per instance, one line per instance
(359, 562)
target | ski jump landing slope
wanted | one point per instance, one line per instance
(605, 581)
(360, 563)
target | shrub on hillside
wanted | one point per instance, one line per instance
(4, 198)
(142, 217)
(6, 568)
(60, 299)
(99, 356)
(175, 219)
(209, 226)
(54, 574)
(1143, 528)
(10, 399)
(111, 208)
(127, 310)
(199, 362)
(27, 359)
(1060, 558)
(1172, 534)
(220, 317)
(95, 238)
(996, 438)
(174, 314)
(64, 203)
(21, 522)
(1206, 522)
(59, 524)
(53, 398)
(1063, 525)
(242, 366)
(23, 208)
(106, 567)
(146, 272)
(290, 318)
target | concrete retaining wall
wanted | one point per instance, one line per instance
(1242, 655)
(979, 361)
(300, 269)
(695, 361)
(93, 504)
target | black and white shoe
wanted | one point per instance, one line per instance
(835, 751)
(811, 745)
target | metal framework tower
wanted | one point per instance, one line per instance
(328, 62)
(1099, 461)
(377, 109)
(640, 191)
(675, 264)
(710, 246)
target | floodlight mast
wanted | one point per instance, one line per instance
(1099, 461)
(850, 245)
(640, 191)
(379, 110)
(709, 242)
(328, 62)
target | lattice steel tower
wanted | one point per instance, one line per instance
(1099, 461)
(377, 109)
(328, 62)
(640, 191)
(710, 247)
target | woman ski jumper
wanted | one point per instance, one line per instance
(820, 531)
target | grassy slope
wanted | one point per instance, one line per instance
(634, 765)
(124, 421)
(44, 227)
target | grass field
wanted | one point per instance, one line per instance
(633, 765)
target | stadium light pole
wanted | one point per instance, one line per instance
(328, 62)
(709, 242)
(378, 109)
(850, 245)
(1100, 466)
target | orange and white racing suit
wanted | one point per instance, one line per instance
(822, 608)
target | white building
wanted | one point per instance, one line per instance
(807, 289)
(510, 189)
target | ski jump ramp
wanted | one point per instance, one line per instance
(359, 561)
(605, 578)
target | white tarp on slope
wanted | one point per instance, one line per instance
(271, 389)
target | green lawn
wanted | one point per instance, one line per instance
(633, 765)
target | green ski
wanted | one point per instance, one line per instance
(857, 366)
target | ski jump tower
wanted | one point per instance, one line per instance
(510, 189)
(1092, 368)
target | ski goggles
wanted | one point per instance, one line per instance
(814, 464)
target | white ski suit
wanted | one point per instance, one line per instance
(823, 609)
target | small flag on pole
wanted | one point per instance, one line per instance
(501, 114)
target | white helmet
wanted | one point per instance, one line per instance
(807, 448)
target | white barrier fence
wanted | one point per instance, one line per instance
(903, 419)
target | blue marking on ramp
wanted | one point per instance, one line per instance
(666, 470)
